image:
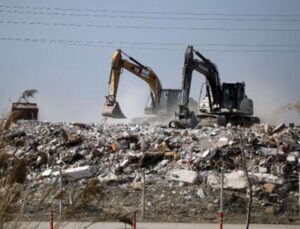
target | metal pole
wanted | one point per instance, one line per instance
(134, 219)
(60, 190)
(222, 185)
(143, 195)
(51, 219)
(220, 212)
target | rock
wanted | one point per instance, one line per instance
(186, 176)
(262, 169)
(172, 155)
(291, 159)
(270, 210)
(163, 147)
(279, 128)
(77, 173)
(234, 180)
(223, 141)
(269, 187)
(46, 173)
(266, 177)
(138, 186)
(200, 193)
(108, 177)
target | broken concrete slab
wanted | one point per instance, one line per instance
(108, 177)
(78, 172)
(234, 180)
(223, 141)
(267, 177)
(279, 128)
(186, 176)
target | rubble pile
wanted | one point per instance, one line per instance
(102, 168)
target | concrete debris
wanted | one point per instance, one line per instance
(174, 160)
(201, 193)
(279, 128)
(234, 180)
(77, 173)
(108, 177)
(269, 187)
(185, 176)
(223, 141)
(267, 178)
(138, 186)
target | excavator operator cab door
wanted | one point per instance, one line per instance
(229, 98)
(233, 94)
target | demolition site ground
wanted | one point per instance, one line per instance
(99, 172)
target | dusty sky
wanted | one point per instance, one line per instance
(250, 40)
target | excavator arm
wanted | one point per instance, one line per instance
(111, 106)
(209, 70)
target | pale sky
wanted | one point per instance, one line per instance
(256, 41)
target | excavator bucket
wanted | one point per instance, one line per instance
(112, 111)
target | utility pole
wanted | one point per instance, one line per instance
(143, 195)
(60, 190)
(220, 212)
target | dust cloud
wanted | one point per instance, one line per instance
(133, 101)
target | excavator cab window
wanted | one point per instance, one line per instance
(229, 91)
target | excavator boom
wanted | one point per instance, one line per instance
(209, 70)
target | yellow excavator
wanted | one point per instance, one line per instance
(163, 101)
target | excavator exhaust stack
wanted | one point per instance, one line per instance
(112, 110)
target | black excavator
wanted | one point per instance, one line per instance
(223, 103)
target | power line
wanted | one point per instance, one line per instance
(150, 12)
(151, 27)
(164, 43)
(149, 17)
(122, 44)
(78, 43)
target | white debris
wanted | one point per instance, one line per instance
(185, 176)
(47, 173)
(223, 141)
(267, 178)
(79, 172)
(108, 177)
(234, 180)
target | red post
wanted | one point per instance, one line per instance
(220, 214)
(51, 219)
(134, 219)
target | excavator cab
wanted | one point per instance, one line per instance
(169, 99)
(234, 99)
(232, 95)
